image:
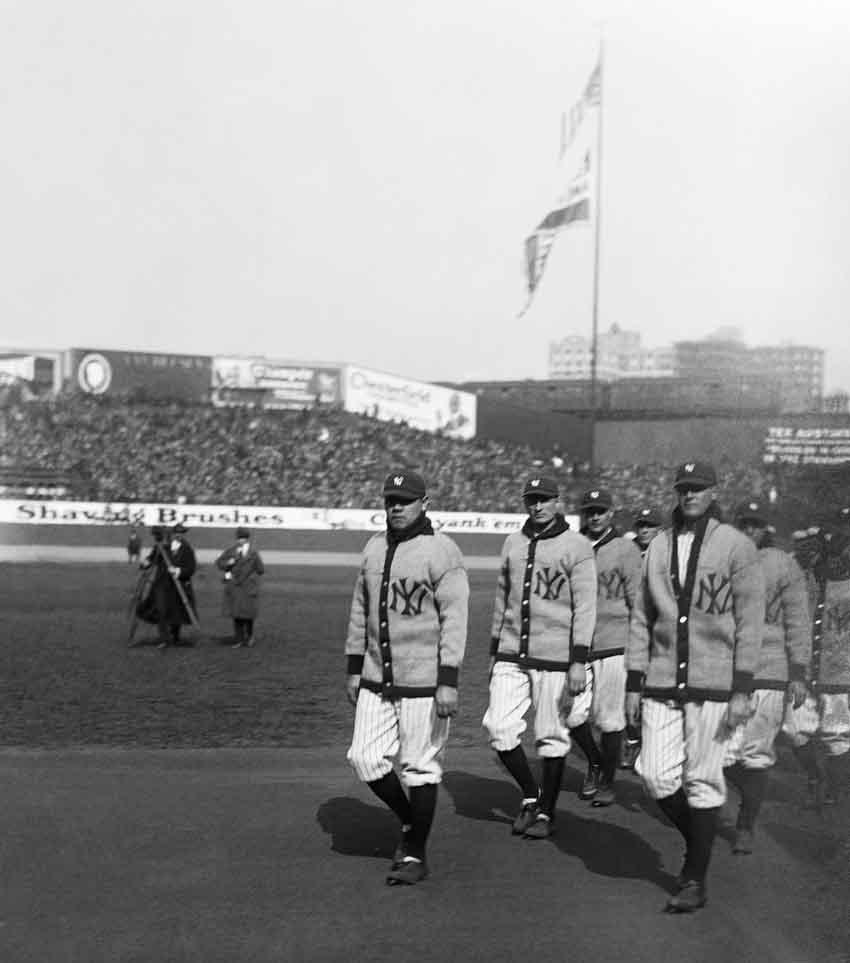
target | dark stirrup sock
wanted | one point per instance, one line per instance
(703, 831)
(752, 784)
(390, 790)
(677, 810)
(516, 763)
(423, 803)
(553, 773)
(583, 737)
(611, 742)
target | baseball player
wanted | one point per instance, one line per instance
(780, 675)
(693, 647)
(618, 565)
(647, 523)
(542, 628)
(406, 641)
(819, 729)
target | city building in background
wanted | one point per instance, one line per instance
(718, 370)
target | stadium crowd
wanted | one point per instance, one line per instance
(117, 450)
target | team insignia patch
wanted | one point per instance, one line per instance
(690, 467)
(594, 494)
(534, 482)
(398, 480)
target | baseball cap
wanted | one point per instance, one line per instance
(648, 516)
(596, 498)
(404, 484)
(242, 533)
(753, 509)
(541, 485)
(179, 529)
(843, 514)
(696, 473)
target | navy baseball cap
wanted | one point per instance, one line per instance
(404, 484)
(648, 516)
(541, 485)
(753, 509)
(844, 514)
(596, 498)
(696, 473)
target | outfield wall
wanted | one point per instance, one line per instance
(93, 524)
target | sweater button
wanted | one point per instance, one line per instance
(681, 685)
(682, 665)
(683, 619)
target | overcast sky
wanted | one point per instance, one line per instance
(353, 182)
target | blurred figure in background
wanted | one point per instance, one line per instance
(242, 567)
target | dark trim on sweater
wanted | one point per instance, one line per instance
(688, 694)
(399, 691)
(556, 527)
(529, 662)
(607, 653)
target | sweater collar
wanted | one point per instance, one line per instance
(609, 536)
(422, 526)
(713, 511)
(558, 525)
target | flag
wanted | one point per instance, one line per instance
(576, 163)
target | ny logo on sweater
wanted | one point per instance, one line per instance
(412, 596)
(612, 585)
(773, 608)
(838, 619)
(715, 594)
(549, 584)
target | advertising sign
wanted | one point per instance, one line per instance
(36, 373)
(273, 384)
(37, 512)
(807, 446)
(140, 373)
(421, 405)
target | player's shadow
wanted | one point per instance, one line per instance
(357, 829)
(605, 848)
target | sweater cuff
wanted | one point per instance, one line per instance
(796, 673)
(742, 682)
(580, 653)
(634, 681)
(355, 664)
(448, 675)
(494, 646)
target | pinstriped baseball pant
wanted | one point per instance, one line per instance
(407, 728)
(827, 717)
(604, 699)
(513, 690)
(752, 744)
(684, 745)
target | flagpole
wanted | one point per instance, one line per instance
(594, 336)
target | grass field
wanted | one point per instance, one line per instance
(71, 680)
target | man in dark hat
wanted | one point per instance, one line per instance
(646, 525)
(694, 645)
(819, 730)
(540, 642)
(602, 704)
(171, 601)
(780, 676)
(242, 567)
(406, 641)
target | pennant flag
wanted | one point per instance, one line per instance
(576, 163)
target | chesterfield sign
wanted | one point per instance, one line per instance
(228, 516)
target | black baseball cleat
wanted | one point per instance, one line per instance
(526, 816)
(541, 828)
(689, 897)
(590, 786)
(604, 795)
(408, 873)
(401, 847)
(629, 753)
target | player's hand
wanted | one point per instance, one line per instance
(446, 699)
(576, 678)
(738, 710)
(352, 687)
(633, 709)
(796, 693)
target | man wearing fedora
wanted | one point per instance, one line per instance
(171, 602)
(242, 567)
(694, 644)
